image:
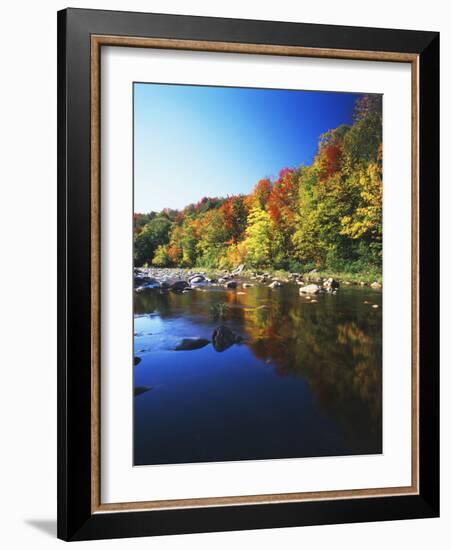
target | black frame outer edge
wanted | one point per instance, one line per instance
(75, 521)
(62, 434)
(429, 196)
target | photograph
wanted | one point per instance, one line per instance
(248, 272)
(257, 273)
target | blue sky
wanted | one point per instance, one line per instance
(195, 141)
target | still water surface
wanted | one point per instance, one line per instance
(306, 380)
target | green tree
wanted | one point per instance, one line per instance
(153, 234)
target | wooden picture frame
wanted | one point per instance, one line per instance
(81, 35)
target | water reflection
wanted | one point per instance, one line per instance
(333, 346)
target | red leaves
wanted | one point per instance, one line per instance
(261, 192)
(282, 200)
(330, 160)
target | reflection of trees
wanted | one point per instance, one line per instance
(335, 345)
(336, 352)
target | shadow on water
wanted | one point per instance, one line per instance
(306, 380)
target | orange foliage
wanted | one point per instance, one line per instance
(282, 199)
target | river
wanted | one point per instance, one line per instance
(305, 381)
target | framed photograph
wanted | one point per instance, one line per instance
(248, 274)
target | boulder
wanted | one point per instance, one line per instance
(331, 284)
(230, 284)
(247, 285)
(376, 285)
(196, 279)
(178, 286)
(223, 338)
(138, 390)
(275, 284)
(189, 344)
(146, 282)
(310, 289)
(237, 270)
(139, 280)
(140, 289)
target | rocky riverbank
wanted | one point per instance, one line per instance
(184, 280)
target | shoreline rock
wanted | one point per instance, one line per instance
(177, 279)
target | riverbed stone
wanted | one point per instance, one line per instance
(331, 283)
(178, 286)
(138, 390)
(189, 344)
(310, 289)
(196, 279)
(230, 284)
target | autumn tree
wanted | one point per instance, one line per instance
(327, 214)
(258, 238)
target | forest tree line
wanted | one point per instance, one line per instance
(327, 215)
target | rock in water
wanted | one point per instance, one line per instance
(310, 289)
(275, 284)
(331, 284)
(223, 338)
(230, 284)
(247, 285)
(376, 285)
(178, 286)
(136, 361)
(197, 279)
(188, 344)
(138, 390)
(146, 282)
